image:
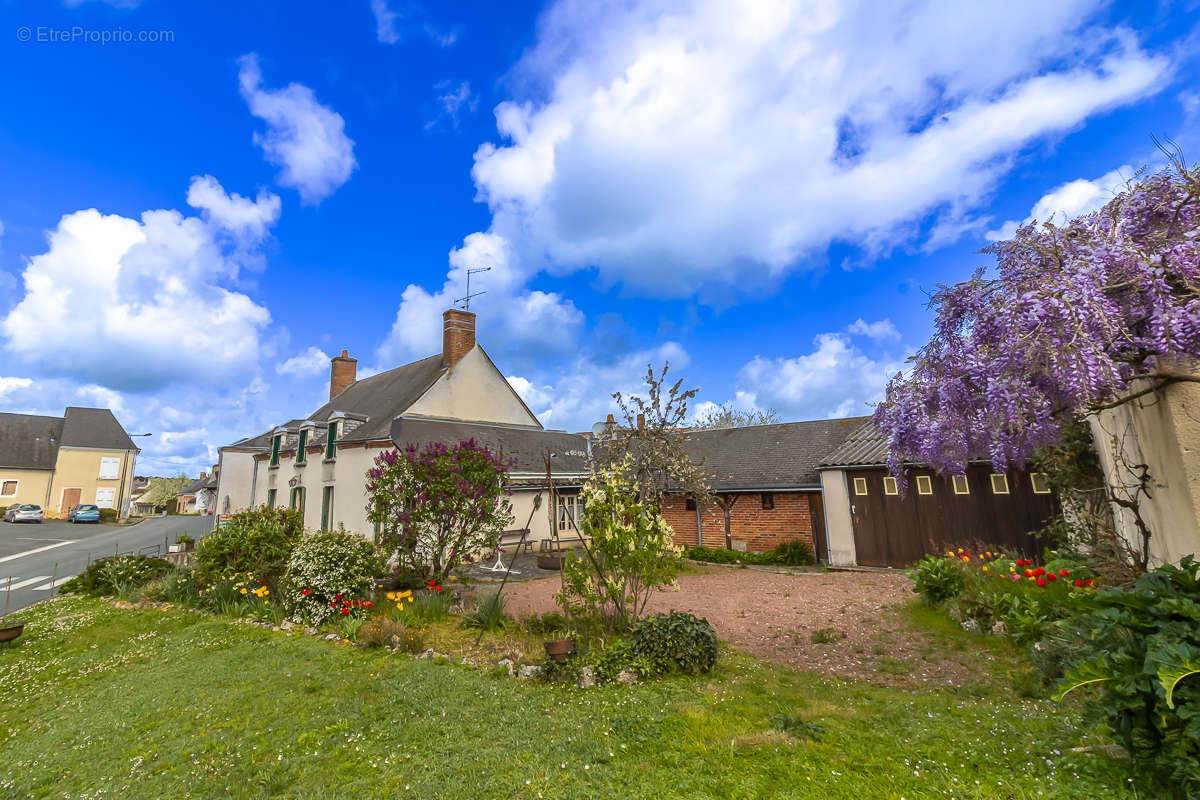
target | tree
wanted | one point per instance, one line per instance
(436, 506)
(1078, 319)
(727, 416)
(163, 491)
(629, 556)
(650, 442)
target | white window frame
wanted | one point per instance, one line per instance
(1003, 482)
(115, 463)
(891, 486)
(924, 485)
(16, 482)
(961, 488)
(112, 501)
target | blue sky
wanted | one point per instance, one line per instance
(761, 192)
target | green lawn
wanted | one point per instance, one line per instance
(148, 703)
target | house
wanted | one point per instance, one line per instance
(765, 478)
(199, 496)
(873, 521)
(84, 456)
(318, 463)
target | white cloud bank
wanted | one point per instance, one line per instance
(1069, 200)
(312, 361)
(305, 139)
(137, 304)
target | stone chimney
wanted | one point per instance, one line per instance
(458, 335)
(342, 372)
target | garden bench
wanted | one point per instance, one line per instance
(518, 537)
(569, 537)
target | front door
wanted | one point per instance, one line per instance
(70, 499)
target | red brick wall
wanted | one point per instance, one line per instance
(759, 528)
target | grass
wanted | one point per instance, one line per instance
(154, 703)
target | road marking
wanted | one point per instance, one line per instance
(36, 550)
(39, 539)
(54, 585)
(23, 584)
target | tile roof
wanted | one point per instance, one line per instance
(527, 445)
(865, 446)
(781, 456)
(28, 441)
(94, 427)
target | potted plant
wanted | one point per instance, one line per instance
(185, 542)
(10, 630)
(559, 649)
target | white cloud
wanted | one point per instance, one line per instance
(312, 361)
(136, 304)
(10, 385)
(392, 26)
(718, 144)
(880, 331)
(304, 138)
(385, 22)
(836, 379)
(1070, 200)
(113, 3)
(246, 219)
(453, 99)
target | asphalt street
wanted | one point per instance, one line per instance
(40, 558)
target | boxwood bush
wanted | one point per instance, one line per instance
(938, 579)
(254, 544)
(675, 642)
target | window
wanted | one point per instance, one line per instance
(298, 499)
(999, 483)
(327, 508)
(330, 438)
(961, 485)
(275, 451)
(689, 504)
(270, 498)
(768, 501)
(301, 445)
(1041, 484)
(8, 488)
(568, 511)
(890, 487)
(860, 486)
(108, 468)
(106, 497)
(924, 484)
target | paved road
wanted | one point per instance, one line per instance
(39, 558)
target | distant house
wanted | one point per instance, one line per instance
(199, 496)
(873, 521)
(766, 477)
(318, 463)
(84, 456)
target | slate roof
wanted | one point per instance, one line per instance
(380, 398)
(94, 427)
(527, 445)
(781, 456)
(866, 446)
(28, 441)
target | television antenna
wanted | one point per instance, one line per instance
(466, 301)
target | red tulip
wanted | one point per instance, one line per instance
(1079, 583)
(1041, 581)
(1066, 573)
(306, 592)
(1088, 581)
(1052, 576)
(345, 611)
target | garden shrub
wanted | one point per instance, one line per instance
(253, 544)
(1145, 656)
(108, 515)
(179, 587)
(937, 579)
(675, 642)
(433, 604)
(545, 624)
(488, 613)
(794, 554)
(105, 575)
(329, 573)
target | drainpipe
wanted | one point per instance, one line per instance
(253, 482)
(699, 532)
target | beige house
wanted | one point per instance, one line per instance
(318, 463)
(85, 456)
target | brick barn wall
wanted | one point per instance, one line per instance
(759, 528)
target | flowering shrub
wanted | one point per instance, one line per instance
(255, 543)
(330, 573)
(440, 505)
(630, 555)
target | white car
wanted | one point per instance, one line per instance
(26, 512)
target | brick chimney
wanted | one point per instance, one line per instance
(342, 372)
(458, 335)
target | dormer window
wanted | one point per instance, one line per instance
(276, 441)
(303, 443)
(331, 437)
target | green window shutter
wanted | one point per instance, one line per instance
(330, 438)
(274, 451)
(270, 498)
(326, 508)
(300, 447)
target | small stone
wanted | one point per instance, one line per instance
(529, 671)
(469, 662)
(311, 631)
(427, 654)
(276, 628)
(999, 628)
(507, 664)
(970, 625)
(587, 678)
(332, 637)
(287, 625)
(627, 676)
(440, 656)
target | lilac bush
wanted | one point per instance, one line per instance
(438, 505)
(1076, 319)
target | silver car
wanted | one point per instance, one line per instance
(26, 512)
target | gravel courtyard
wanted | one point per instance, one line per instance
(841, 623)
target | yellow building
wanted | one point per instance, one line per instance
(85, 456)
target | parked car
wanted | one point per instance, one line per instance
(4, 515)
(84, 512)
(26, 512)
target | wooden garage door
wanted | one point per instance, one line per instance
(897, 530)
